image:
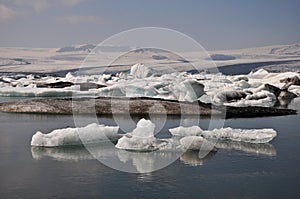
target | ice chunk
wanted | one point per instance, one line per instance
(141, 138)
(262, 98)
(244, 135)
(186, 131)
(227, 96)
(89, 134)
(188, 90)
(238, 78)
(192, 142)
(242, 84)
(69, 75)
(260, 72)
(141, 71)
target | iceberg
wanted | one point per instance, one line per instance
(141, 138)
(262, 98)
(141, 71)
(143, 81)
(188, 90)
(192, 142)
(90, 134)
(227, 96)
(185, 131)
(242, 135)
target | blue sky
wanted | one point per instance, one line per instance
(214, 24)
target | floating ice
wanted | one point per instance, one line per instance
(262, 98)
(227, 96)
(243, 135)
(185, 131)
(141, 71)
(260, 72)
(142, 81)
(141, 138)
(192, 142)
(188, 90)
(89, 134)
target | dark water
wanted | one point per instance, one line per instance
(257, 171)
(246, 68)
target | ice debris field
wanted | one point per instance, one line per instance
(259, 88)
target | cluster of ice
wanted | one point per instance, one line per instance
(142, 138)
(172, 86)
(185, 142)
(89, 134)
(142, 81)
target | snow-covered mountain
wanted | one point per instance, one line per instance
(72, 57)
(90, 47)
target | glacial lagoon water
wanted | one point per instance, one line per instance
(234, 171)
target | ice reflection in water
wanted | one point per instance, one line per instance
(145, 162)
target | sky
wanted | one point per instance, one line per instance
(215, 24)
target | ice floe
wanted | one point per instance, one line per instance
(185, 143)
(89, 134)
(142, 138)
(192, 142)
(242, 135)
(186, 131)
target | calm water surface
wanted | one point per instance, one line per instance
(245, 171)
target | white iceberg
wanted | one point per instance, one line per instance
(227, 96)
(141, 138)
(89, 134)
(192, 142)
(243, 135)
(141, 71)
(186, 131)
(261, 98)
